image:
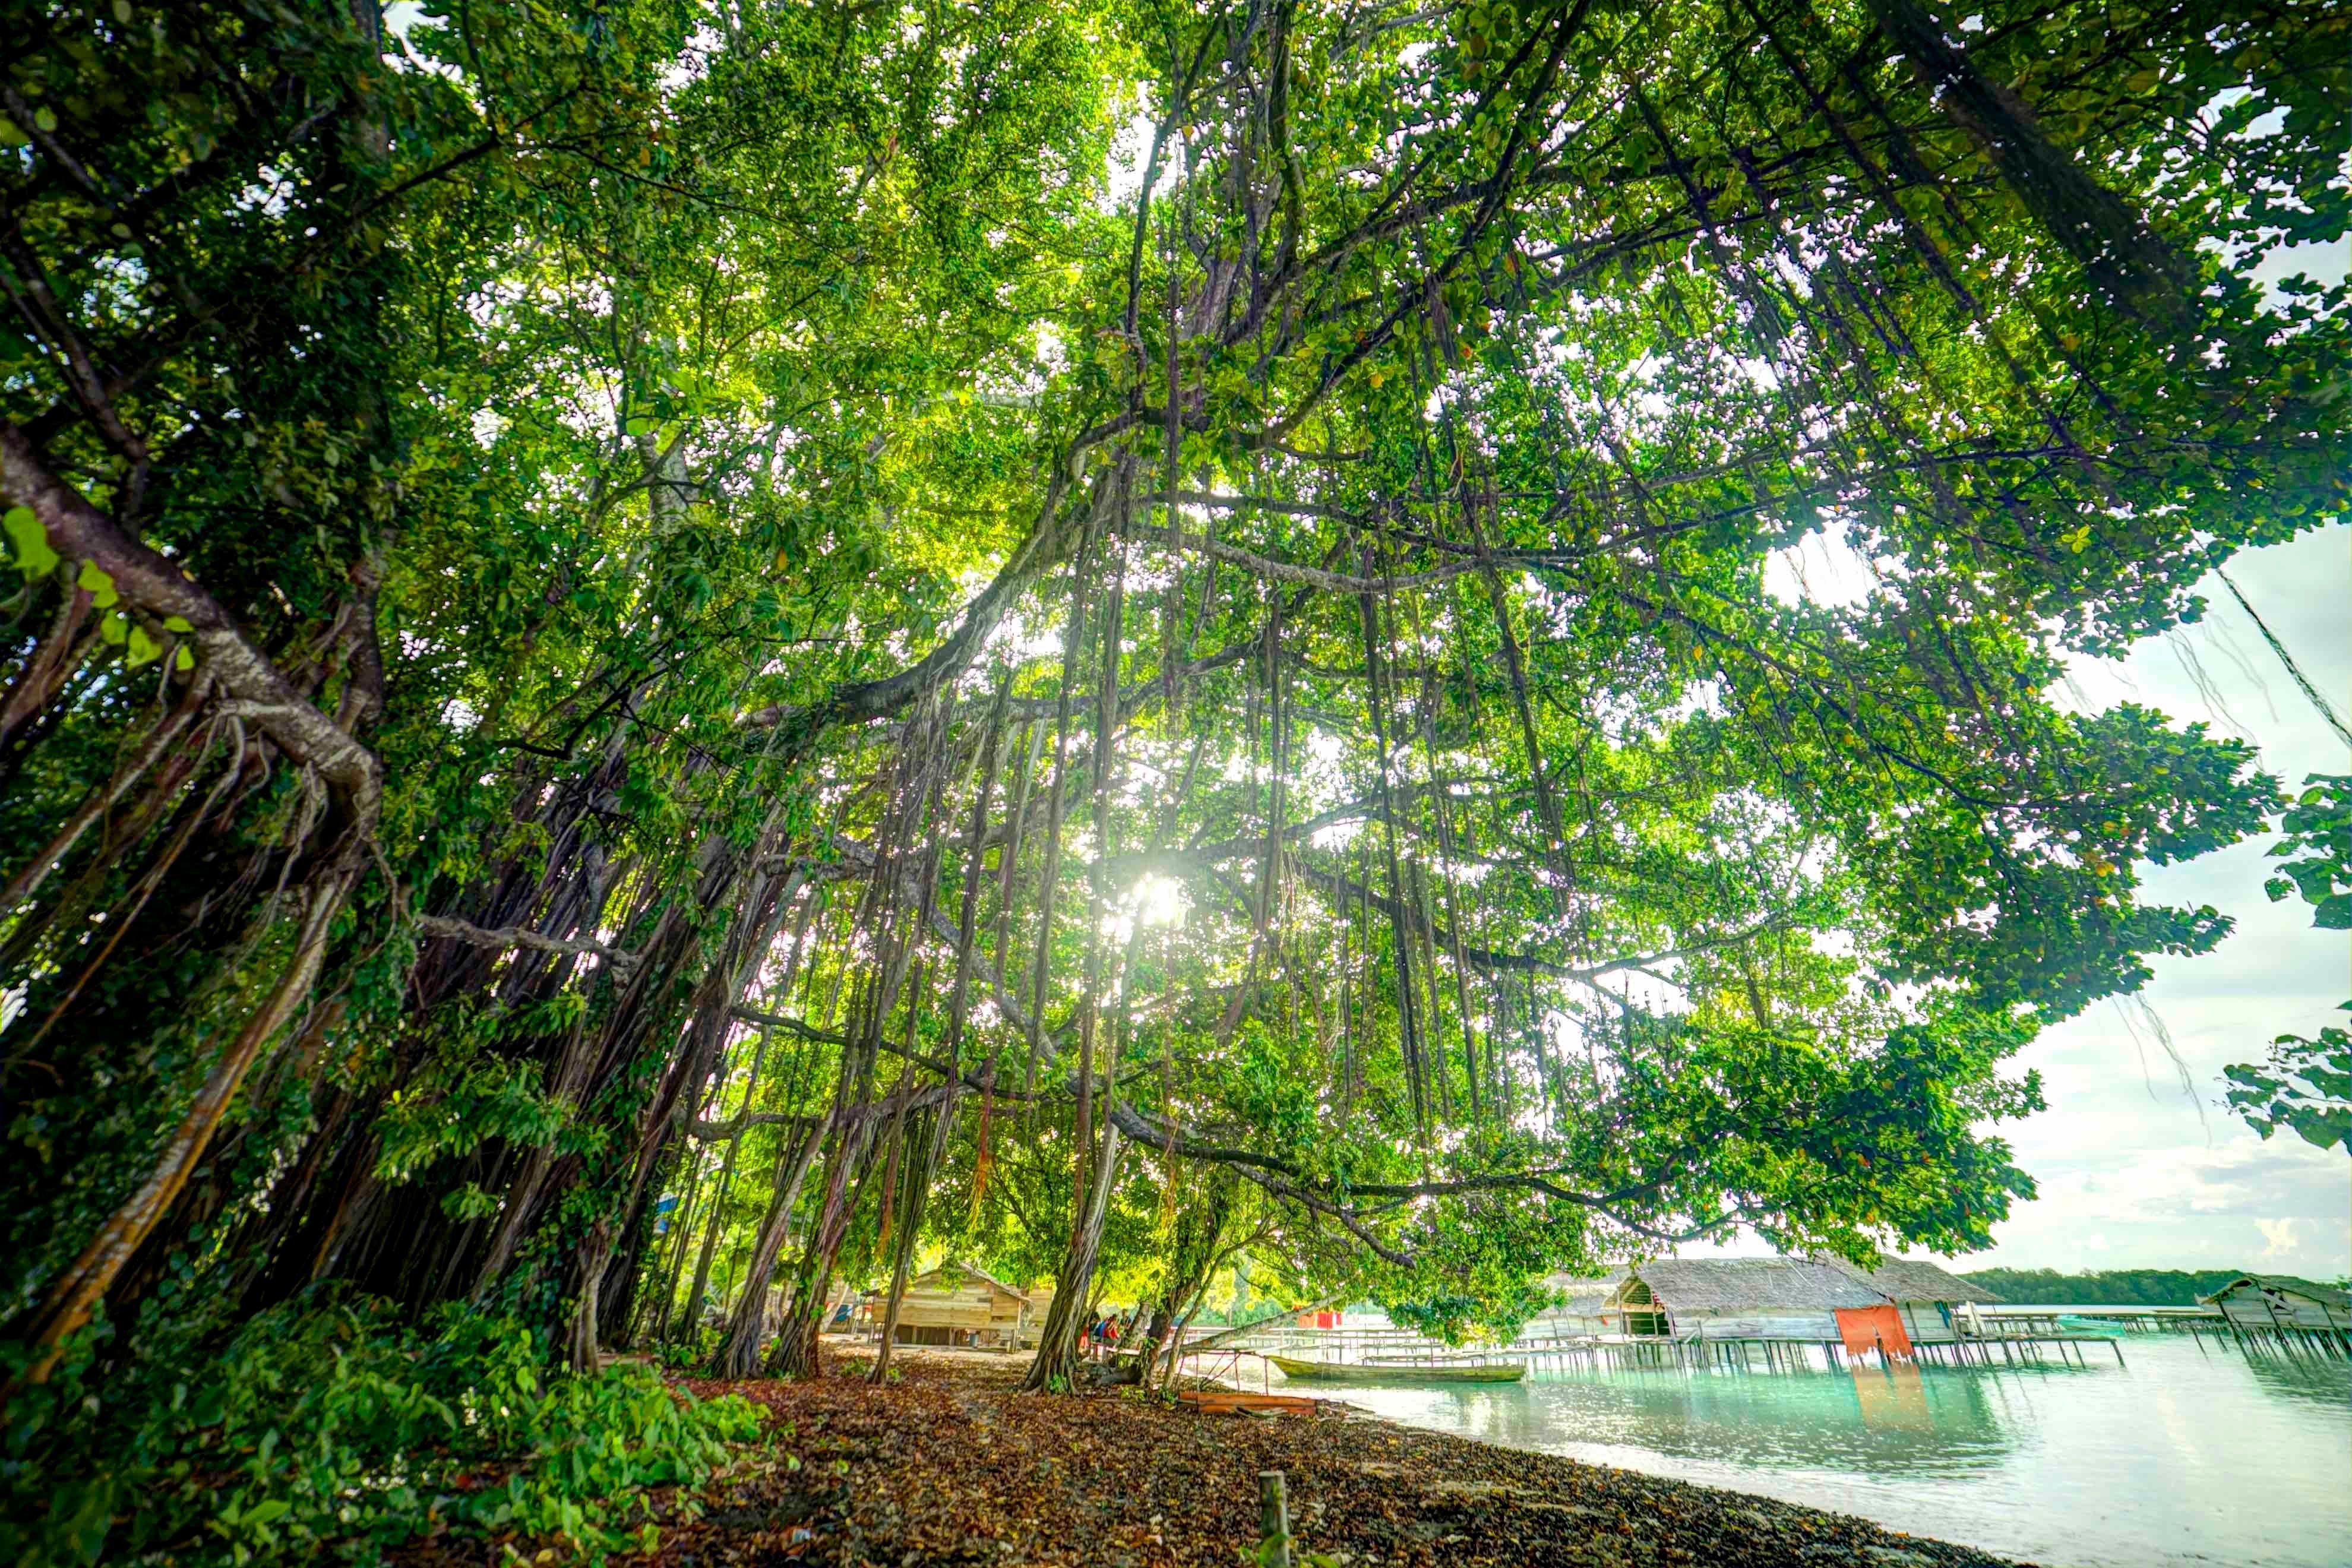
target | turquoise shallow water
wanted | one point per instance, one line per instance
(2183, 1456)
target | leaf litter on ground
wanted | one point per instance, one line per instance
(949, 1464)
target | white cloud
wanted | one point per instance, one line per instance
(2280, 1233)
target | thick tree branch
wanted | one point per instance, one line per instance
(472, 935)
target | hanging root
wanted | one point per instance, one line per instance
(120, 921)
(74, 1295)
(30, 878)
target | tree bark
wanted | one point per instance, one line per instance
(796, 1352)
(692, 1322)
(580, 1353)
(1056, 1368)
(739, 1348)
(959, 1006)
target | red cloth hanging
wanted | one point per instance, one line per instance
(1867, 1329)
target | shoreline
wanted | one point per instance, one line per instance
(948, 1464)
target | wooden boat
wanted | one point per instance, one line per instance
(1222, 1401)
(1397, 1374)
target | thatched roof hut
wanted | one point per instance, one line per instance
(1587, 1306)
(1584, 1289)
(1739, 1299)
(1695, 1285)
(1584, 1296)
(2271, 1301)
(1916, 1279)
(1759, 1298)
(949, 1276)
(1904, 1301)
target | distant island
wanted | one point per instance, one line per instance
(2110, 1287)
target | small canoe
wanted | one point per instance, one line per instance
(1364, 1371)
(1221, 1400)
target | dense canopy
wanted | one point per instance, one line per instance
(665, 651)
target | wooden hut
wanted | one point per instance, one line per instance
(1751, 1299)
(960, 1305)
(2268, 1304)
(1925, 1296)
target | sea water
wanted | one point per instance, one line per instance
(2189, 1452)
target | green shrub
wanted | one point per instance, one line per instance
(328, 1429)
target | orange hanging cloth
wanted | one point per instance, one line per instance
(1868, 1328)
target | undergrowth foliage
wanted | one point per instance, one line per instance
(327, 1429)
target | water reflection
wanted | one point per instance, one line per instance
(1895, 1400)
(2186, 1455)
(1869, 1421)
(2327, 1382)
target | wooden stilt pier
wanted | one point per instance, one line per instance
(2008, 1336)
(2015, 1346)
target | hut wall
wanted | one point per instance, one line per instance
(1567, 1324)
(2248, 1309)
(1753, 1324)
(2307, 1314)
(1928, 1322)
(958, 1314)
(974, 1308)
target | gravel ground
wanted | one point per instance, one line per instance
(950, 1465)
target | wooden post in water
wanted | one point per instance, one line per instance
(1273, 1521)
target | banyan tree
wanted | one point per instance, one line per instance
(665, 656)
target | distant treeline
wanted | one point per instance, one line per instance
(2108, 1287)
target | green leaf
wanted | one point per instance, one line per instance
(34, 556)
(114, 628)
(144, 649)
(94, 578)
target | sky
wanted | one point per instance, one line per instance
(2139, 1164)
(2135, 1172)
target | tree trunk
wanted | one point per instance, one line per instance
(579, 1349)
(910, 1223)
(1056, 1368)
(795, 1350)
(739, 1347)
(692, 1322)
